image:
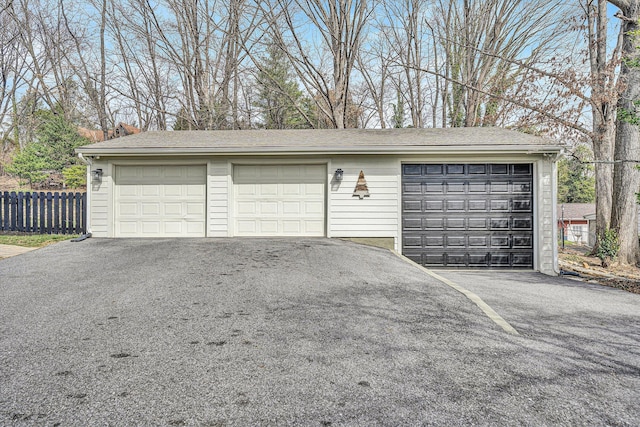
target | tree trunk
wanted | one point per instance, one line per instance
(626, 177)
(603, 95)
(603, 152)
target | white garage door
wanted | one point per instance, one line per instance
(279, 200)
(160, 201)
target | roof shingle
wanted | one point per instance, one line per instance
(321, 140)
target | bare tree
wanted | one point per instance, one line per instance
(406, 37)
(480, 40)
(340, 25)
(13, 75)
(374, 63)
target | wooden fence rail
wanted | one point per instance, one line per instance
(43, 213)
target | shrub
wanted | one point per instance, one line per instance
(75, 176)
(29, 164)
(608, 247)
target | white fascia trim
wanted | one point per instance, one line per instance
(188, 151)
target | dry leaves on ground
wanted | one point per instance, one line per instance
(577, 259)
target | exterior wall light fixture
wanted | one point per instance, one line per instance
(96, 174)
(338, 174)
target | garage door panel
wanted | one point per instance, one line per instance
(499, 242)
(245, 189)
(499, 187)
(455, 223)
(195, 209)
(172, 209)
(522, 259)
(314, 227)
(152, 172)
(246, 227)
(128, 209)
(194, 228)
(128, 227)
(521, 188)
(149, 190)
(477, 169)
(128, 191)
(455, 205)
(523, 242)
(522, 169)
(434, 242)
(477, 205)
(315, 189)
(268, 226)
(525, 205)
(468, 215)
(195, 191)
(434, 205)
(478, 187)
(478, 223)
(148, 209)
(412, 224)
(150, 227)
(411, 188)
(478, 242)
(522, 224)
(268, 208)
(500, 260)
(291, 208)
(314, 208)
(174, 191)
(246, 208)
(499, 169)
(499, 205)
(291, 227)
(160, 201)
(291, 190)
(434, 259)
(269, 173)
(267, 189)
(288, 200)
(478, 260)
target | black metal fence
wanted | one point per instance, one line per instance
(43, 213)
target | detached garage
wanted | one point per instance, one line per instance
(452, 198)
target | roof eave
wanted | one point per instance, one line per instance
(288, 151)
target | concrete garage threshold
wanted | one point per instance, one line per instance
(289, 332)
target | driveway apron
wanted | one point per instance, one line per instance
(236, 332)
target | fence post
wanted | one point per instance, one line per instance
(70, 213)
(63, 213)
(13, 204)
(78, 213)
(34, 223)
(20, 211)
(84, 212)
(27, 212)
(5, 211)
(56, 213)
(49, 212)
(42, 198)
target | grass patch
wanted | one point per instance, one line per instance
(34, 240)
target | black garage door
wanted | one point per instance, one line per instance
(468, 215)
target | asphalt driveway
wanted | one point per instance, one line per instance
(302, 332)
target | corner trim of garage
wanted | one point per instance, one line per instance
(491, 314)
